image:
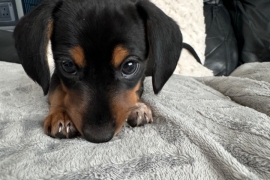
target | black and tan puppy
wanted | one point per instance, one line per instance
(102, 50)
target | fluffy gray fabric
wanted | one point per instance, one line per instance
(204, 128)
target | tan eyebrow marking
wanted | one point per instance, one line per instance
(119, 55)
(77, 54)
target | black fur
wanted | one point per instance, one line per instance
(192, 51)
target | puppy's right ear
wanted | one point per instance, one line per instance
(32, 35)
(165, 43)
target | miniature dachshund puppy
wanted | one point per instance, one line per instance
(102, 50)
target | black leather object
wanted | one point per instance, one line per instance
(251, 22)
(221, 54)
(7, 50)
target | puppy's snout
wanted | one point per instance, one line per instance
(99, 133)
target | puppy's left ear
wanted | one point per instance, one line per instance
(165, 41)
(32, 35)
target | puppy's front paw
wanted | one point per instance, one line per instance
(140, 115)
(59, 125)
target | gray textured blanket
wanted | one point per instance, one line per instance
(204, 128)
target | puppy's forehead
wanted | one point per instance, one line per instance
(99, 28)
(97, 17)
(98, 22)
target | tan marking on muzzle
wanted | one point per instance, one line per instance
(64, 100)
(75, 106)
(121, 105)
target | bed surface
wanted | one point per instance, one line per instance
(204, 128)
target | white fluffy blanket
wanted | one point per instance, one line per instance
(205, 128)
(190, 18)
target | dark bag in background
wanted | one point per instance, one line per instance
(251, 23)
(221, 54)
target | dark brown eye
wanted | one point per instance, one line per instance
(129, 68)
(69, 66)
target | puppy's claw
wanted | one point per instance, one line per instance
(59, 125)
(60, 129)
(145, 116)
(68, 128)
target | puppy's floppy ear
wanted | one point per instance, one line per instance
(165, 43)
(32, 35)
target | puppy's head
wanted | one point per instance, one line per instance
(102, 49)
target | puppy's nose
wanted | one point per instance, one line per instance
(99, 134)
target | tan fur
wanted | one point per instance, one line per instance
(119, 55)
(77, 54)
(65, 105)
(122, 104)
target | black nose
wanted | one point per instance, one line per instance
(99, 134)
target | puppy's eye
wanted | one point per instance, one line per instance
(69, 66)
(129, 68)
